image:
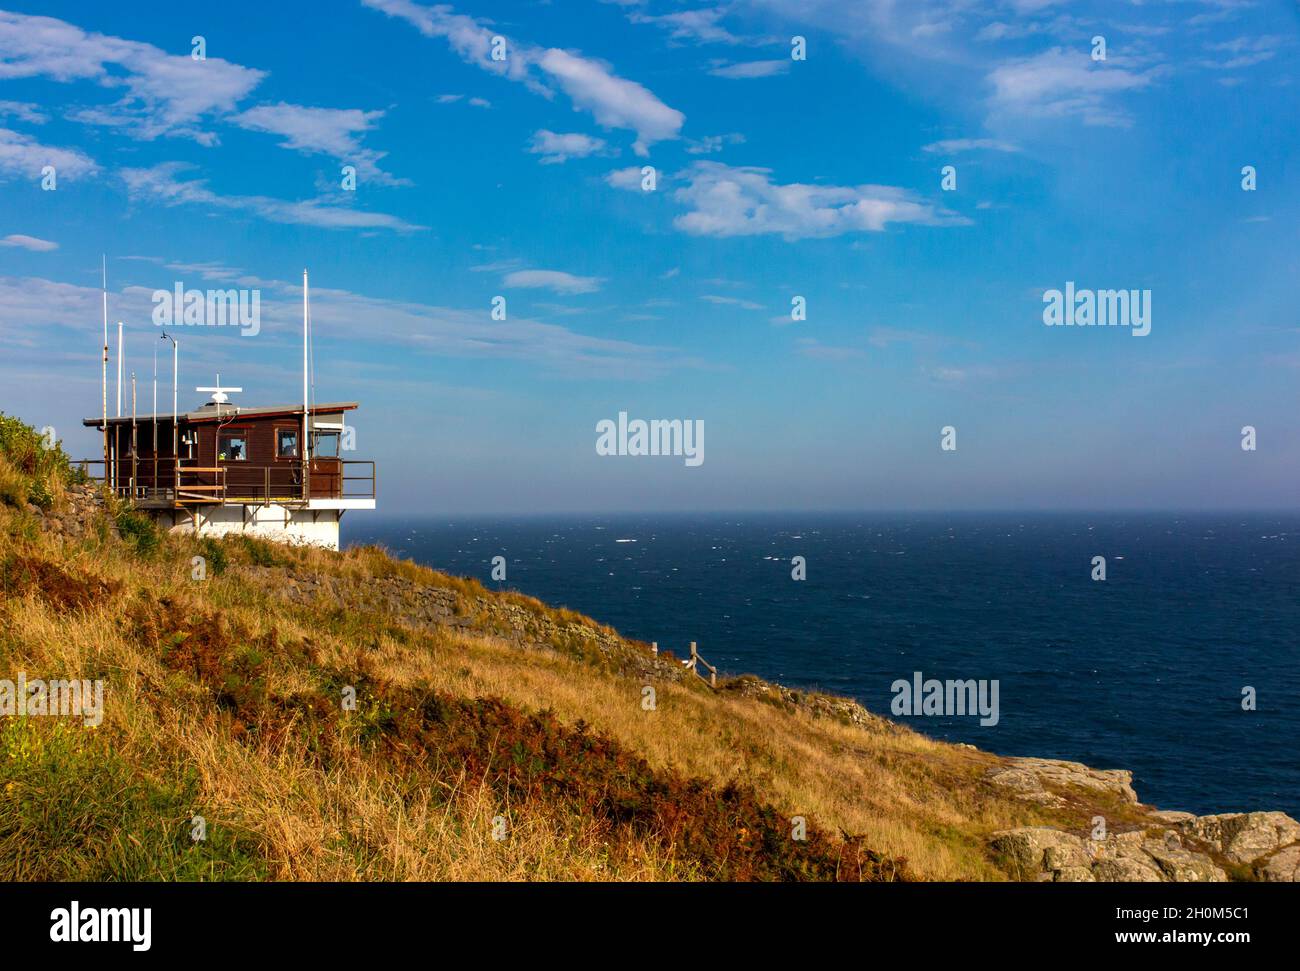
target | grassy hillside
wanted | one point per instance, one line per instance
(478, 715)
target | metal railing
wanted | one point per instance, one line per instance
(161, 480)
(363, 492)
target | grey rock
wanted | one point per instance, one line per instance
(1030, 779)
(1244, 837)
(1282, 867)
(1043, 853)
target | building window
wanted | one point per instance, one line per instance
(286, 443)
(326, 445)
(233, 447)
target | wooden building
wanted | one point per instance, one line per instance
(227, 468)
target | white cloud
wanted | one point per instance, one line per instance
(614, 101)
(31, 307)
(22, 157)
(713, 143)
(627, 178)
(471, 39)
(556, 281)
(162, 184)
(29, 243)
(744, 70)
(165, 94)
(728, 201)
(1244, 52)
(555, 147)
(731, 302)
(327, 131)
(23, 111)
(702, 25)
(952, 146)
(1060, 83)
(815, 349)
(591, 85)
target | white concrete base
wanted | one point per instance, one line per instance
(298, 527)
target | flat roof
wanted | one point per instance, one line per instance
(228, 411)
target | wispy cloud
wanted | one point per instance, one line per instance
(334, 132)
(590, 84)
(744, 201)
(165, 94)
(713, 143)
(555, 147)
(163, 184)
(731, 301)
(475, 102)
(31, 308)
(744, 70)
(812, 348)
(556, 281)
(23, 111)
(29, 243)
(614, 101)
(23, 157)
(953, 146)
(1064, 83)
(702, 25)
(1242, 52)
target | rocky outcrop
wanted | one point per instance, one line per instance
(1040, 780)
(1173, 846)
(1043, 853)
(1244, 837)
(1282, 867)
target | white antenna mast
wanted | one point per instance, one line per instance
(104, 265)
(306, 405)
(119, 369)
(155, 417)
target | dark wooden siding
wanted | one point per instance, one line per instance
(261, 475)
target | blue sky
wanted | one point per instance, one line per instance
(776, 178)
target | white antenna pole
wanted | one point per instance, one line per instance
(105, 368)
(135, 437)
(306, 412)
(176, 361)
(119, 369)
(154, 478)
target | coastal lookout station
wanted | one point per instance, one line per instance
(224, 468)
(276, 472)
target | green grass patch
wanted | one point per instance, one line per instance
(71, 808)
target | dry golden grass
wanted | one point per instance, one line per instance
(357, 818)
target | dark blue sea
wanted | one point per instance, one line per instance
(1143, 671)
